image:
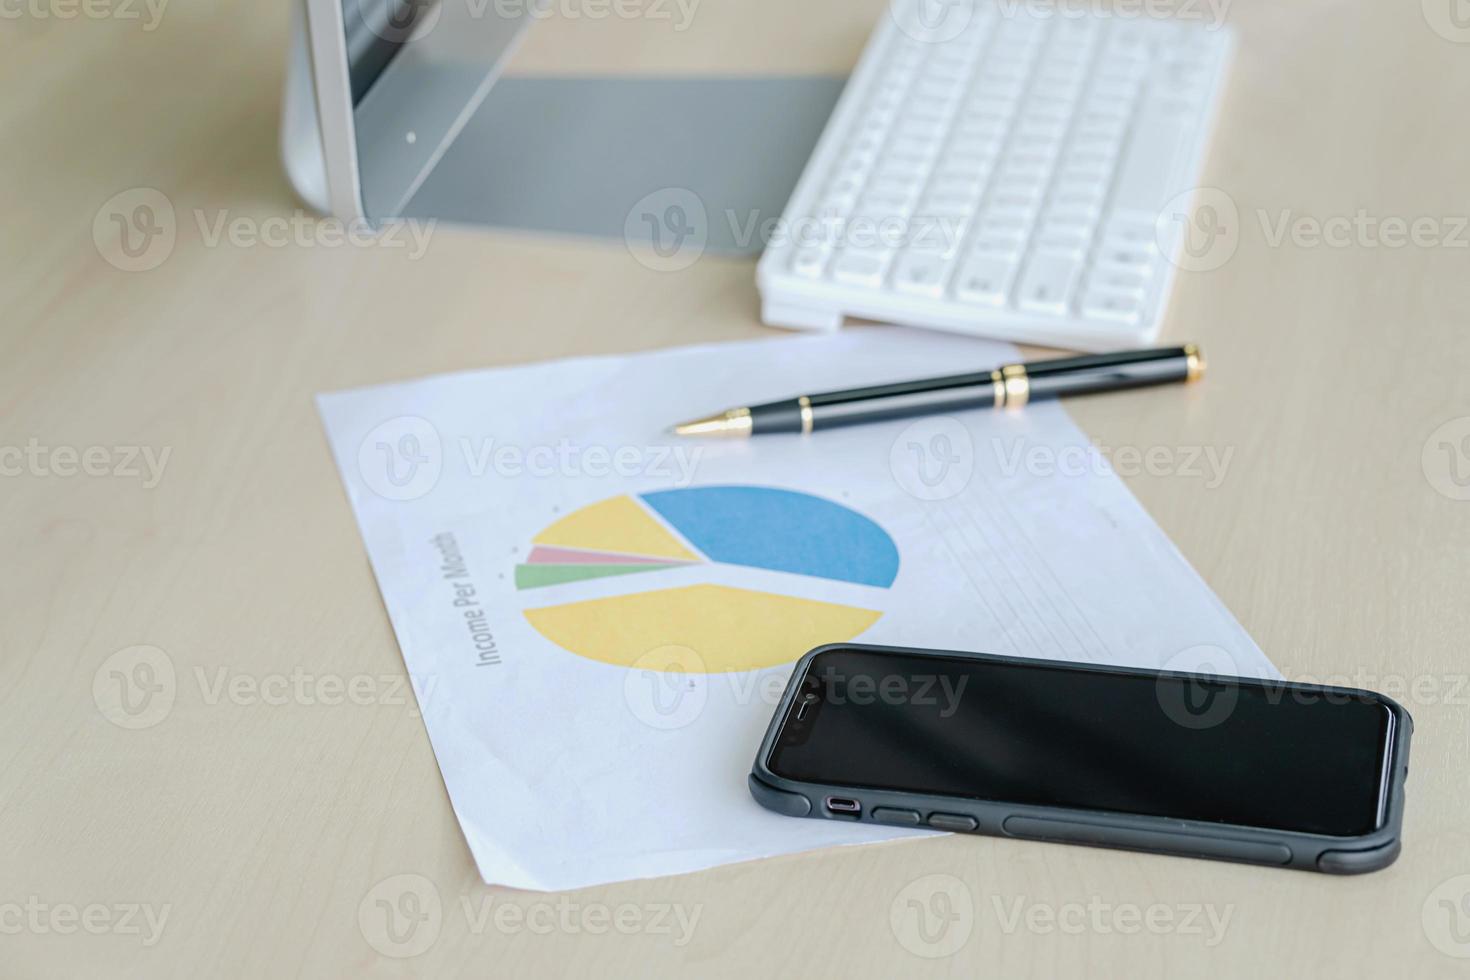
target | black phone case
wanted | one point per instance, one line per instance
(1159, 835)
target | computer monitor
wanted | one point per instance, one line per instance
(394, 82)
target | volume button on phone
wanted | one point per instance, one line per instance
(957, 822)
(895, 815)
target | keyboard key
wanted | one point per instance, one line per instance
(946, 208)
(899, 168)
(810, 261)
(1048, 284)
(1007, 89)
(997, 246)
(986, 105)
(941, 232)
(1125, 258)
(895, 185)
(1059, 215)
(919, 128)
(836, 204)
(1041, 146)
(1099, 108)
(915, 148)
(986, 280)
(968, 163)
(1016, 197)
(1119, 307)
(920, 273)
(970, 125)
(1148, 162)
(1083, 200)
(1064, 239)
(1118, 281)
(860, 268)
(1004, 225)
(1127, 231)
(949, 185)
(877, 209)
(844, 185)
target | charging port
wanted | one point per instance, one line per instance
(843, 806)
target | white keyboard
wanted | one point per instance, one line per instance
(999, 169)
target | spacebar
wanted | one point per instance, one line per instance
(1144, 182)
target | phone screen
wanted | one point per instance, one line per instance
(1254, 753)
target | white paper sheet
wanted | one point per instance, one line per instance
(592, 730)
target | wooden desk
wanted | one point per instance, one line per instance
(262, 828)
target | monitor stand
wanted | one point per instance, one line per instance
(670, 166)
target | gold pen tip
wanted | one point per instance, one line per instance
(735, 422)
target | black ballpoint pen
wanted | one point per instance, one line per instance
(1008, 386)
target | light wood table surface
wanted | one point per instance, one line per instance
(254, 832)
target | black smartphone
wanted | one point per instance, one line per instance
(1274, 773)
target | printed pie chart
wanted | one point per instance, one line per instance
(728, 628)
